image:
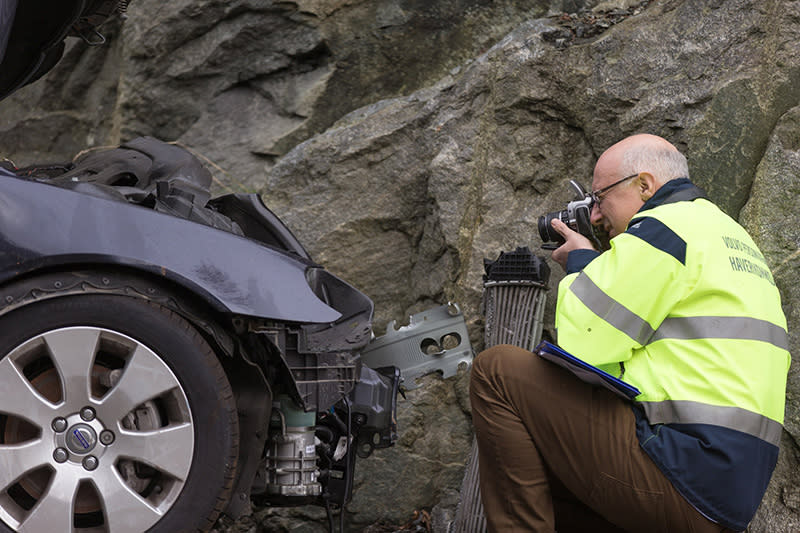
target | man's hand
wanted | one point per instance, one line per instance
(574, 241)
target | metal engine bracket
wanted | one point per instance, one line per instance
(435, 340)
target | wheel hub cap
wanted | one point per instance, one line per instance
(81, 439)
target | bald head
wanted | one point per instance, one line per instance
(644, 140)
(630, 173)
(645, 153)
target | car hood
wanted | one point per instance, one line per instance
(32, 34)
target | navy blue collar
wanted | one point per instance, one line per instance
(677, 190)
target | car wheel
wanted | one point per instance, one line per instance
(116, 416)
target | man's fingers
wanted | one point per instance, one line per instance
(560, 227)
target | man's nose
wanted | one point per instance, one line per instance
(596, 217)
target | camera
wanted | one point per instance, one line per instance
(576, 216)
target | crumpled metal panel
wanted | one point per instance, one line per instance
(47, 227)
(435, 340)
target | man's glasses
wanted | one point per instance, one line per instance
(595, 195)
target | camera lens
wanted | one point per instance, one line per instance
(546, 231)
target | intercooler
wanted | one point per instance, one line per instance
(514, 296)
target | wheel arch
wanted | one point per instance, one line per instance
(45, 226)
(124, 280)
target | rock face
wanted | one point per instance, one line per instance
(441, 139)
(243, 81)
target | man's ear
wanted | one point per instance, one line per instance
(647, 185)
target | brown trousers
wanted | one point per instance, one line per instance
(558, 454)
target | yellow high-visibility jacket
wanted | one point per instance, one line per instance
(684, 307)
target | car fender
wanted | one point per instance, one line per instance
(48, 227)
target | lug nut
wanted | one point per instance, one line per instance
(90, 462)
(87, 413)
(106, 437)
(60, 455)
(59, 424)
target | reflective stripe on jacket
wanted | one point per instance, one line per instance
(684, 307)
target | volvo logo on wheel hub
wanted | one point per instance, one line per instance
(81, 439)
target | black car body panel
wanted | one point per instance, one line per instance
(44, 227)
(32, 34)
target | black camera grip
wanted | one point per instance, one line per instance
(582, 220)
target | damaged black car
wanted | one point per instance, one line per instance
(165, 356)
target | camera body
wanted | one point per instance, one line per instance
(576, 216)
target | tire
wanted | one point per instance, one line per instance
(116, 416)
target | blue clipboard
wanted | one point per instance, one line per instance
(586, 372)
